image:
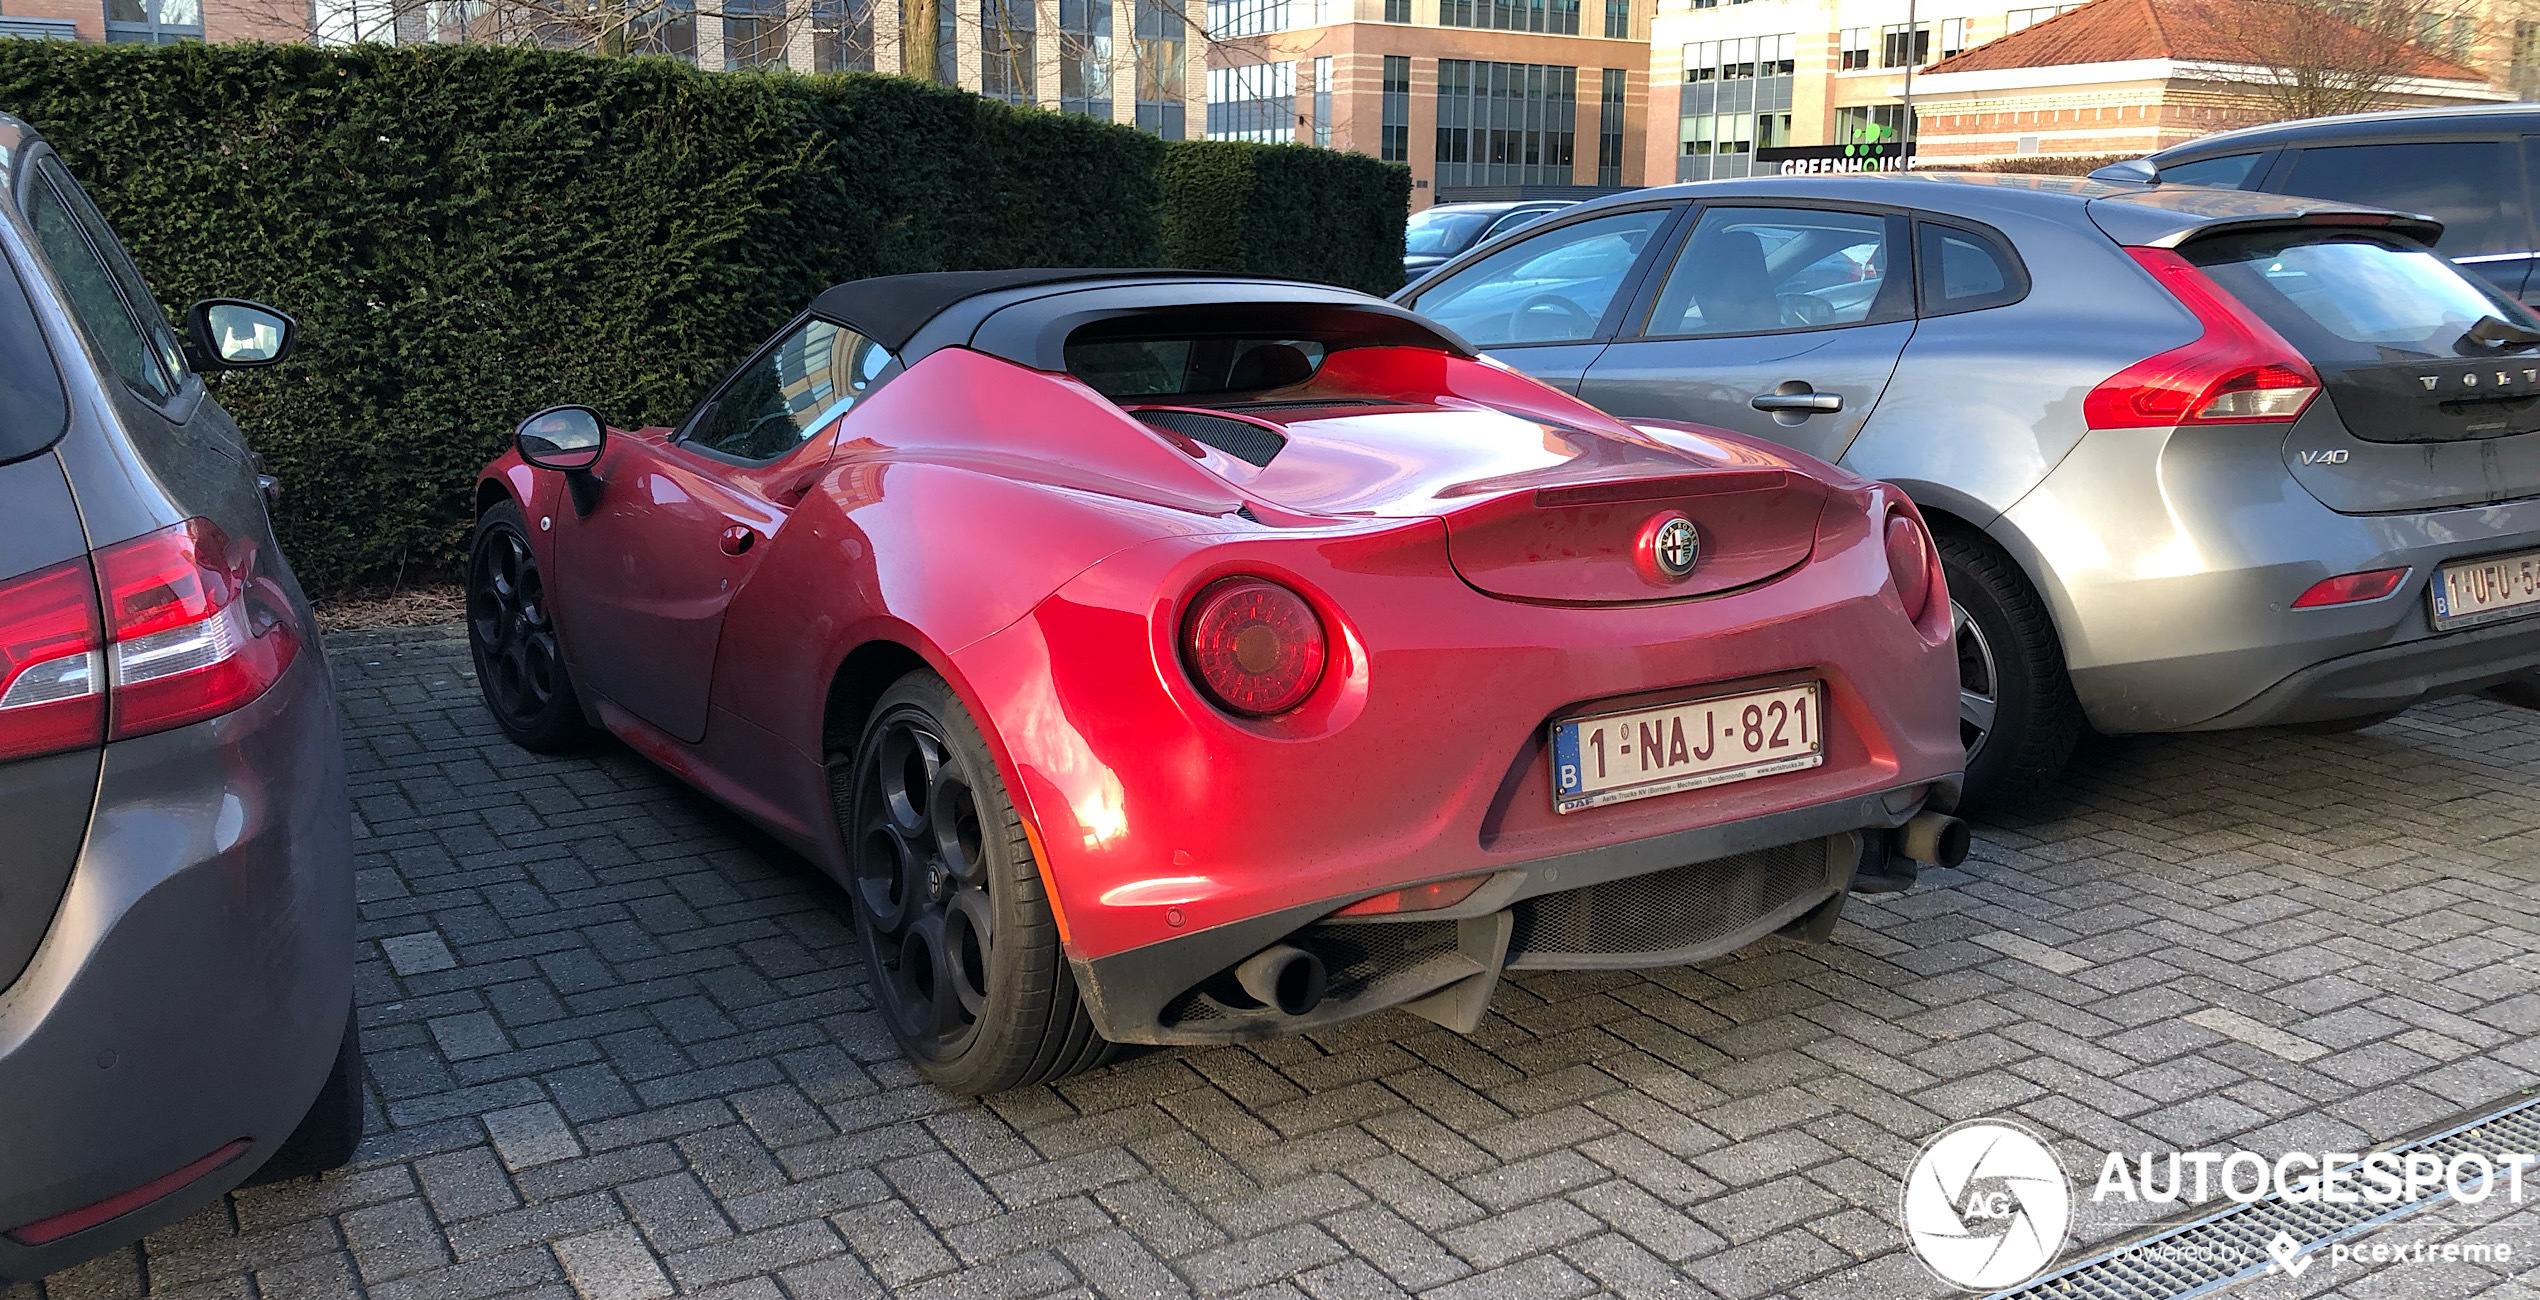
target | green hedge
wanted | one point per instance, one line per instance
(1287, 209)
(468, 233)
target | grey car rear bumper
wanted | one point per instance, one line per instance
(2393, 677)
(193, 986)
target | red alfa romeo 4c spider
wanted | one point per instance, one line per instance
(1171, 658)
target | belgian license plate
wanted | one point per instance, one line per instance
(1615, 757)
(2486, 590)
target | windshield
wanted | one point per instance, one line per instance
(2349, 298)
(1438, 232)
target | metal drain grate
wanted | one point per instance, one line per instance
(2211, 1253)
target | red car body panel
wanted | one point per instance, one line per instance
(1466, 534)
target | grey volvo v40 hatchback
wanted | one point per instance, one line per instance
(176, 909)
(2196, 459)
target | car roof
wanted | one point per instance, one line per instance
(2133, 214)
(1027, 315)
(2407, 123)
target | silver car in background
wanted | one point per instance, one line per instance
(176, 879)
(2197, 459)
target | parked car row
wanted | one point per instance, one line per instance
(1169, 657)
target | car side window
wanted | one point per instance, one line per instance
(1548, 287)
(2465, 184)
(1753, 270)
(2229, 172)
(789, 392)
(89, 286)
(1963, 270)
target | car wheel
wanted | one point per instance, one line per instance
(331, 1130)
(2016, 711)
(520, 666)
(960, 949)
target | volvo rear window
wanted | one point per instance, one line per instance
(2349, 298)
(33, 407)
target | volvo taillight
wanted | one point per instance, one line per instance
(195, 630)
(52, 671)
(2240, 371)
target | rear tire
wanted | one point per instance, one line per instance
(2018, 715)
(329, 1133)
(937, 847)
(520, 667)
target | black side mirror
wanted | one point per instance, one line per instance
(234, 334)
(567, 438)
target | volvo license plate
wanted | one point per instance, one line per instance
(2486, 590)
(1615, 757)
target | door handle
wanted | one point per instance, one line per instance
(1798, 398)
(737, 539)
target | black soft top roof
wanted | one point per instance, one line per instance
(1027, 315)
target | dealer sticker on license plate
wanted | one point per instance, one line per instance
(2486, 590)
(1615, 757)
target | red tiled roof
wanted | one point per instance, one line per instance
(2113, 31)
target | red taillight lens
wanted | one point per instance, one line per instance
(191, 641)
(52, 674)
(2348, 588)
(1418, 898)
(1909, 562)
(2239, 372)
(1254, 646)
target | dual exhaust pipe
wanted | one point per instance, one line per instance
(1292, 980)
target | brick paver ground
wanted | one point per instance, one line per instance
(620, 1047)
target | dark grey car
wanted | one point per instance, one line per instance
(176, 912)
(2470, 168)
(2196, 459)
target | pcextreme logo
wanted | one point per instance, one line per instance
(1987, 1205)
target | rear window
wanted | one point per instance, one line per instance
(33, 408)
(2355, 298)
(1174, 367)
(1435, 233)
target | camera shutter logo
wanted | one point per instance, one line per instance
(1987, 1205)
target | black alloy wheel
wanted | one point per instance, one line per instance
(960, 948)
(520, 667)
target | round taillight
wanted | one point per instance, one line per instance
(1254, 646)
(1909, 562)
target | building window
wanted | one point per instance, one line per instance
(1953, 36)
(1253, 101)
(1158, 43)
(842, 35)
(1397, 11)
(1897, 51)
(1396, 143)
(2526, 59)
(2019, 18)
(1007, 70)
(1251, 17)
(666, 28)
(1560, 16)
(1618, 20)
(1609, 129)
(1084, 57)
(332, 22)
(1737, 100)
(754, 33)
(1505, 123)
(1854, 48)
(1706, 4)
(1323, 100)
(1871, 124)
